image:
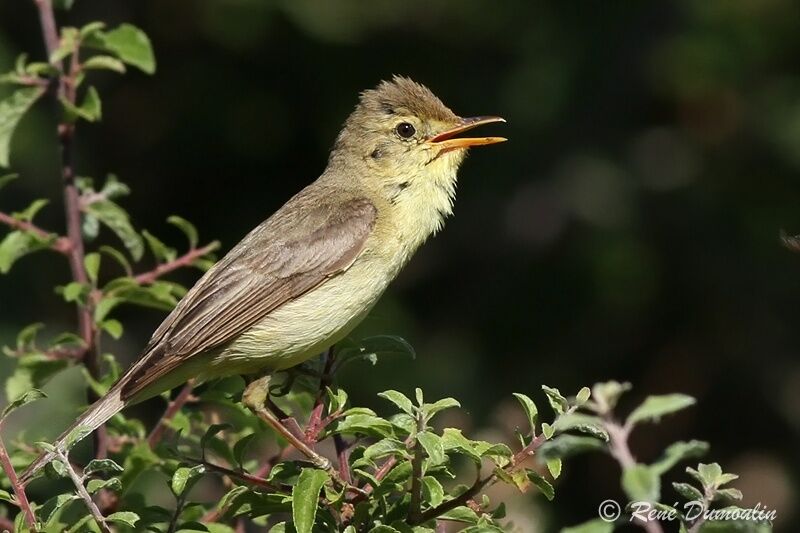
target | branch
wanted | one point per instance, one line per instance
(415, 505)
(72, 206)
(61, 244)
(619, 449)
(19, 489)
(519, 457)
(186, 259)
(244, 476)
(78, 482)
(184, 396)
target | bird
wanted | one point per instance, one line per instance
(304, 278)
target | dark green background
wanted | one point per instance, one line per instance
(629, 229)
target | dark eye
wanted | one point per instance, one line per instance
(405, 130)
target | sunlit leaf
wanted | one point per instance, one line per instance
(305, 495)
(11, 111)
(654, 407)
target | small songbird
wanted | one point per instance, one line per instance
(304, 278)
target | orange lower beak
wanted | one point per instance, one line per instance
(447, 140)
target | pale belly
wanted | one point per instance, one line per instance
(306, 326)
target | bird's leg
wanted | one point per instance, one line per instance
(255, 398)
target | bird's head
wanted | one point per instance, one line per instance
(407, 138)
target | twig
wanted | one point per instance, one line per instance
(184, 396)
(186, 259)
(60, 244)
(619, 449)
(343, 456)
(415, 505)
(78, 482)
(244, 476)
(72, 205)
(19, 489)
(518, 458)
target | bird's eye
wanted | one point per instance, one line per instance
(405, 130)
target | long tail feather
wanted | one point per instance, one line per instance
(91, 419)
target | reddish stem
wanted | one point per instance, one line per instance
(19, 489)
(186, 259)
(61, 244)
(172, 409)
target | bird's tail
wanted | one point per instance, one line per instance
(91, 419)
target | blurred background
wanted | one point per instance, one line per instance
(629, 229)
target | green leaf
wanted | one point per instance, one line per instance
(461, 514)
(26, 398)
(554, 466)
(384, 447)
(598, 525)
(187, 228)
(432, 491)
(92, 107)
(305, 498)
(27, 335)
(8, 178)
(454, 441)
(212, 430)
(677, 452)
(128, 43)
(113, 484)
(52, 508)
(18, 244)
(101, 465)
(113, 327)
(90, 110)
(544, 486)
(531, 411)
(73, 291)
(688, 492)
(92, 264)
(566, 445)
(33, 371)
(91, 28)
(433, 446)
(364, 424)
(118, 221)
(102, 62)
(583, 396)
(104, 307)
(337, 400)
(6, 496)
(119, 257)
(123, 517)
(547, 430)
(240, 448)
(12, 110)
(161, 251)
(184, 479)
(399, 399)
(654, 407)
(557, 400)
(607, 394)
(431, 409)
(641, 483)
(29, 212)
(710, 475)
(589, 424)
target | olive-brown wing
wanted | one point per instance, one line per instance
(289, 254)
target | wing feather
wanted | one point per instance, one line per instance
(286, 256)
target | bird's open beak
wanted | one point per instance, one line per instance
(447, 140)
